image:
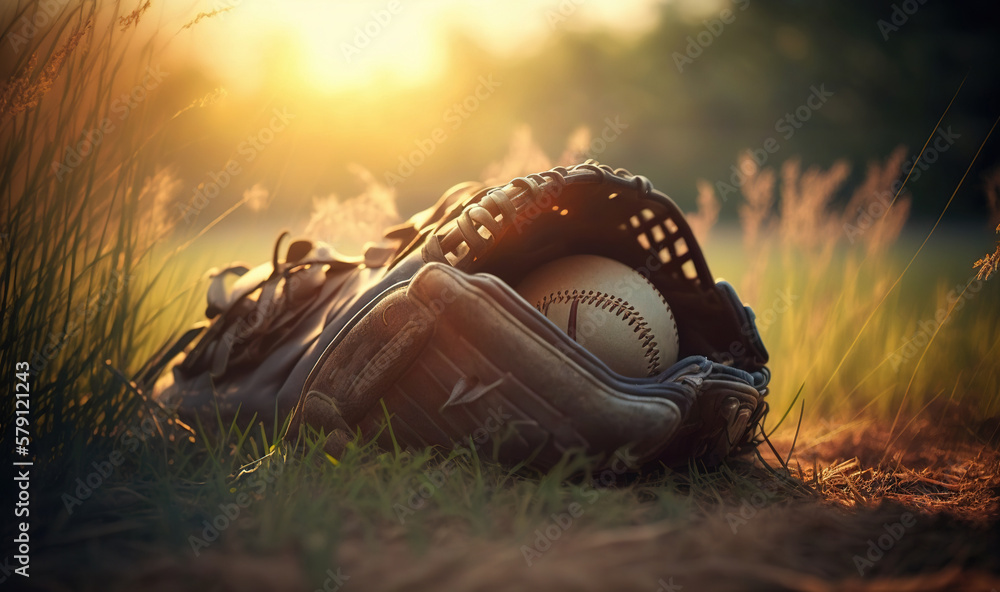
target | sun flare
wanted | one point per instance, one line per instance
(328, 46)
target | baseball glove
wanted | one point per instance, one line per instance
(422, 341)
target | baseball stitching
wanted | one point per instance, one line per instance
(620, 308)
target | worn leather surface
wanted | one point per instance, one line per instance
(426, 331)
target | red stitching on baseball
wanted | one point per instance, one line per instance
(620, 308)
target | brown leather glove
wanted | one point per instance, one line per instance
(428, 333)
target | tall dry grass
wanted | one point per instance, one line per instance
(860, 335)
(989, 263)
(86, 296)
(85, 201)
(820, 263)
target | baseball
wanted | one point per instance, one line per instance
(608, 308)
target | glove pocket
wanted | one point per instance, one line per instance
(493, 376)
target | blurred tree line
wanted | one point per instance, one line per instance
(821, 81)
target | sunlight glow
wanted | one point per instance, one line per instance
(329, 45)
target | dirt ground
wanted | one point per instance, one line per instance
(919, 514)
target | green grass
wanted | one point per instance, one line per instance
(165, 493)
(846, 365)
(68, 239)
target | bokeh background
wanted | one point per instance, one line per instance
(145, 142)
(183, 136)
(366, 90)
